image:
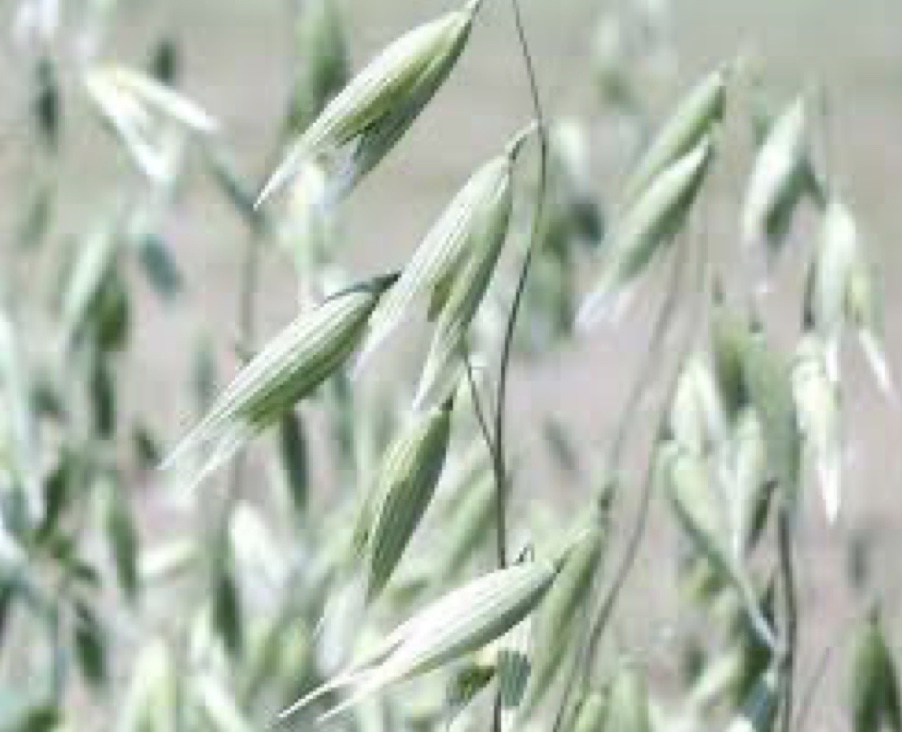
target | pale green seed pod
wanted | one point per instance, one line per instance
(465, 294)
(646, 226)
(158, 97)
(287, 370)
(780, 175)
(307, 228)
(439, 259)
(874, 681)
(322, 60)
(151, 701)
(747, 487)
(279, 648)
(575, 211)
(461, 622)
(693, 119)
(688, 483)
(831, 270)
(760, 709)
(768, 382)
(866, 316)
(628, 707)
(696, 415)
(219, 706)
(406, 485)
(841, 292)
(713, 681)
(168, 561)
(92, 267)
(560, 612)
(148, 117)
(817, 406)
(379, 104)
(590, 716)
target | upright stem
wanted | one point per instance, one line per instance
(790, 637)
(499, 458)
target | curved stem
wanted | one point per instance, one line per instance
(660, 330)
(500, 460)
(649, 365)
(608, 603)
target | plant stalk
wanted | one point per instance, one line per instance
(499, 456)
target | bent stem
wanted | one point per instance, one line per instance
(579, 671)
(499, 462)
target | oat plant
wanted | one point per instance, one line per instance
(310, 543)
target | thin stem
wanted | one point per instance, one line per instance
(634, 543)
(649, 365)
(809, 693)
(500, 460)
(790, 637)
(478, 407)
(660, 330)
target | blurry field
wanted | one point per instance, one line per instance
(235, 54)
